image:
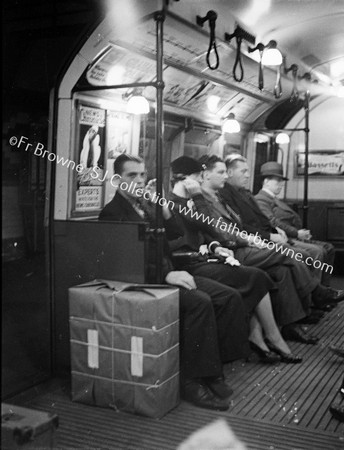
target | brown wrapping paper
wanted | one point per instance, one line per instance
(125, 346)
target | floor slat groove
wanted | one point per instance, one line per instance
(262, 410)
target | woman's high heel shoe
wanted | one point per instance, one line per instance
(265, 356)
(285, 357)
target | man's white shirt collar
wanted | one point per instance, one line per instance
(269, 192)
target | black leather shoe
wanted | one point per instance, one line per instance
(219, 387)
(326, 307)
(197, 393)
(265, 356)
(322, 296)
(311, 319)
(317, 313)
(289, 358)
(341, 389)
(295, 333)
(334, 295)
(337, 411)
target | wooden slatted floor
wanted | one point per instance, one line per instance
(294, 394)
(275, 408)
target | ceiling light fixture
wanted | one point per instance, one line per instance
(138, 104)
(282, 138)
(213, 103)
(230, 124)
(269, 55)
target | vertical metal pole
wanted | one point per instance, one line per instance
(159, 130)
(305, 186)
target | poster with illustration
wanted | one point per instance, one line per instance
(91, 157)
(120, 138)
(119, 129)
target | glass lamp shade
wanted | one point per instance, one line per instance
(231, 125)
(272, 57)
(137, 104)
(282, 138)
(213, 103)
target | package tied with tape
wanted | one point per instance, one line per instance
(125, 346)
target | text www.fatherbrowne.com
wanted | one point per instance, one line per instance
(233, 229)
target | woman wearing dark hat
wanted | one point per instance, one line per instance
(213, 321)
(252, 283)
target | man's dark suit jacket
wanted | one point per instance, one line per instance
(279, 213)
(119, 209)
(243, 203)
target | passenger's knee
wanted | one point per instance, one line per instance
(235, 297)
(330, 248)
(195, 300)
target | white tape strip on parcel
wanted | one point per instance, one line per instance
(136, 356)
(92, 349)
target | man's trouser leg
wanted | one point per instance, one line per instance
(231, 319)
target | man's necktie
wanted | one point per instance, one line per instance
(140, 209)
(232, 214)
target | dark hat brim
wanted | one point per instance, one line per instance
(185, 165)
(273, 174)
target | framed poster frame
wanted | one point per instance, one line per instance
(100, 135)
(89, 155)
(321, 164)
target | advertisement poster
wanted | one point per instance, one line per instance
(119, 127)
(119, 139)
(321, 163)
(91, 158)
(88, 198)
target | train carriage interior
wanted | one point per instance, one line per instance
(196, 69)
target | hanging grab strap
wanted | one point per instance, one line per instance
(295, 92)
(261, 75)
(211, 16)
(238, 61)
(212, 46)
(278, 85)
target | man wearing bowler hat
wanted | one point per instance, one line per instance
(284, 217)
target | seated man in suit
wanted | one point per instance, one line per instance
(284, 217)
(252, 283)
(203, 211)
(213, 320)
(204, 219)
(236, 194)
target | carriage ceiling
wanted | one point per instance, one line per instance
(310, 33)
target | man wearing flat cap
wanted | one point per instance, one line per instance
(284, 217)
